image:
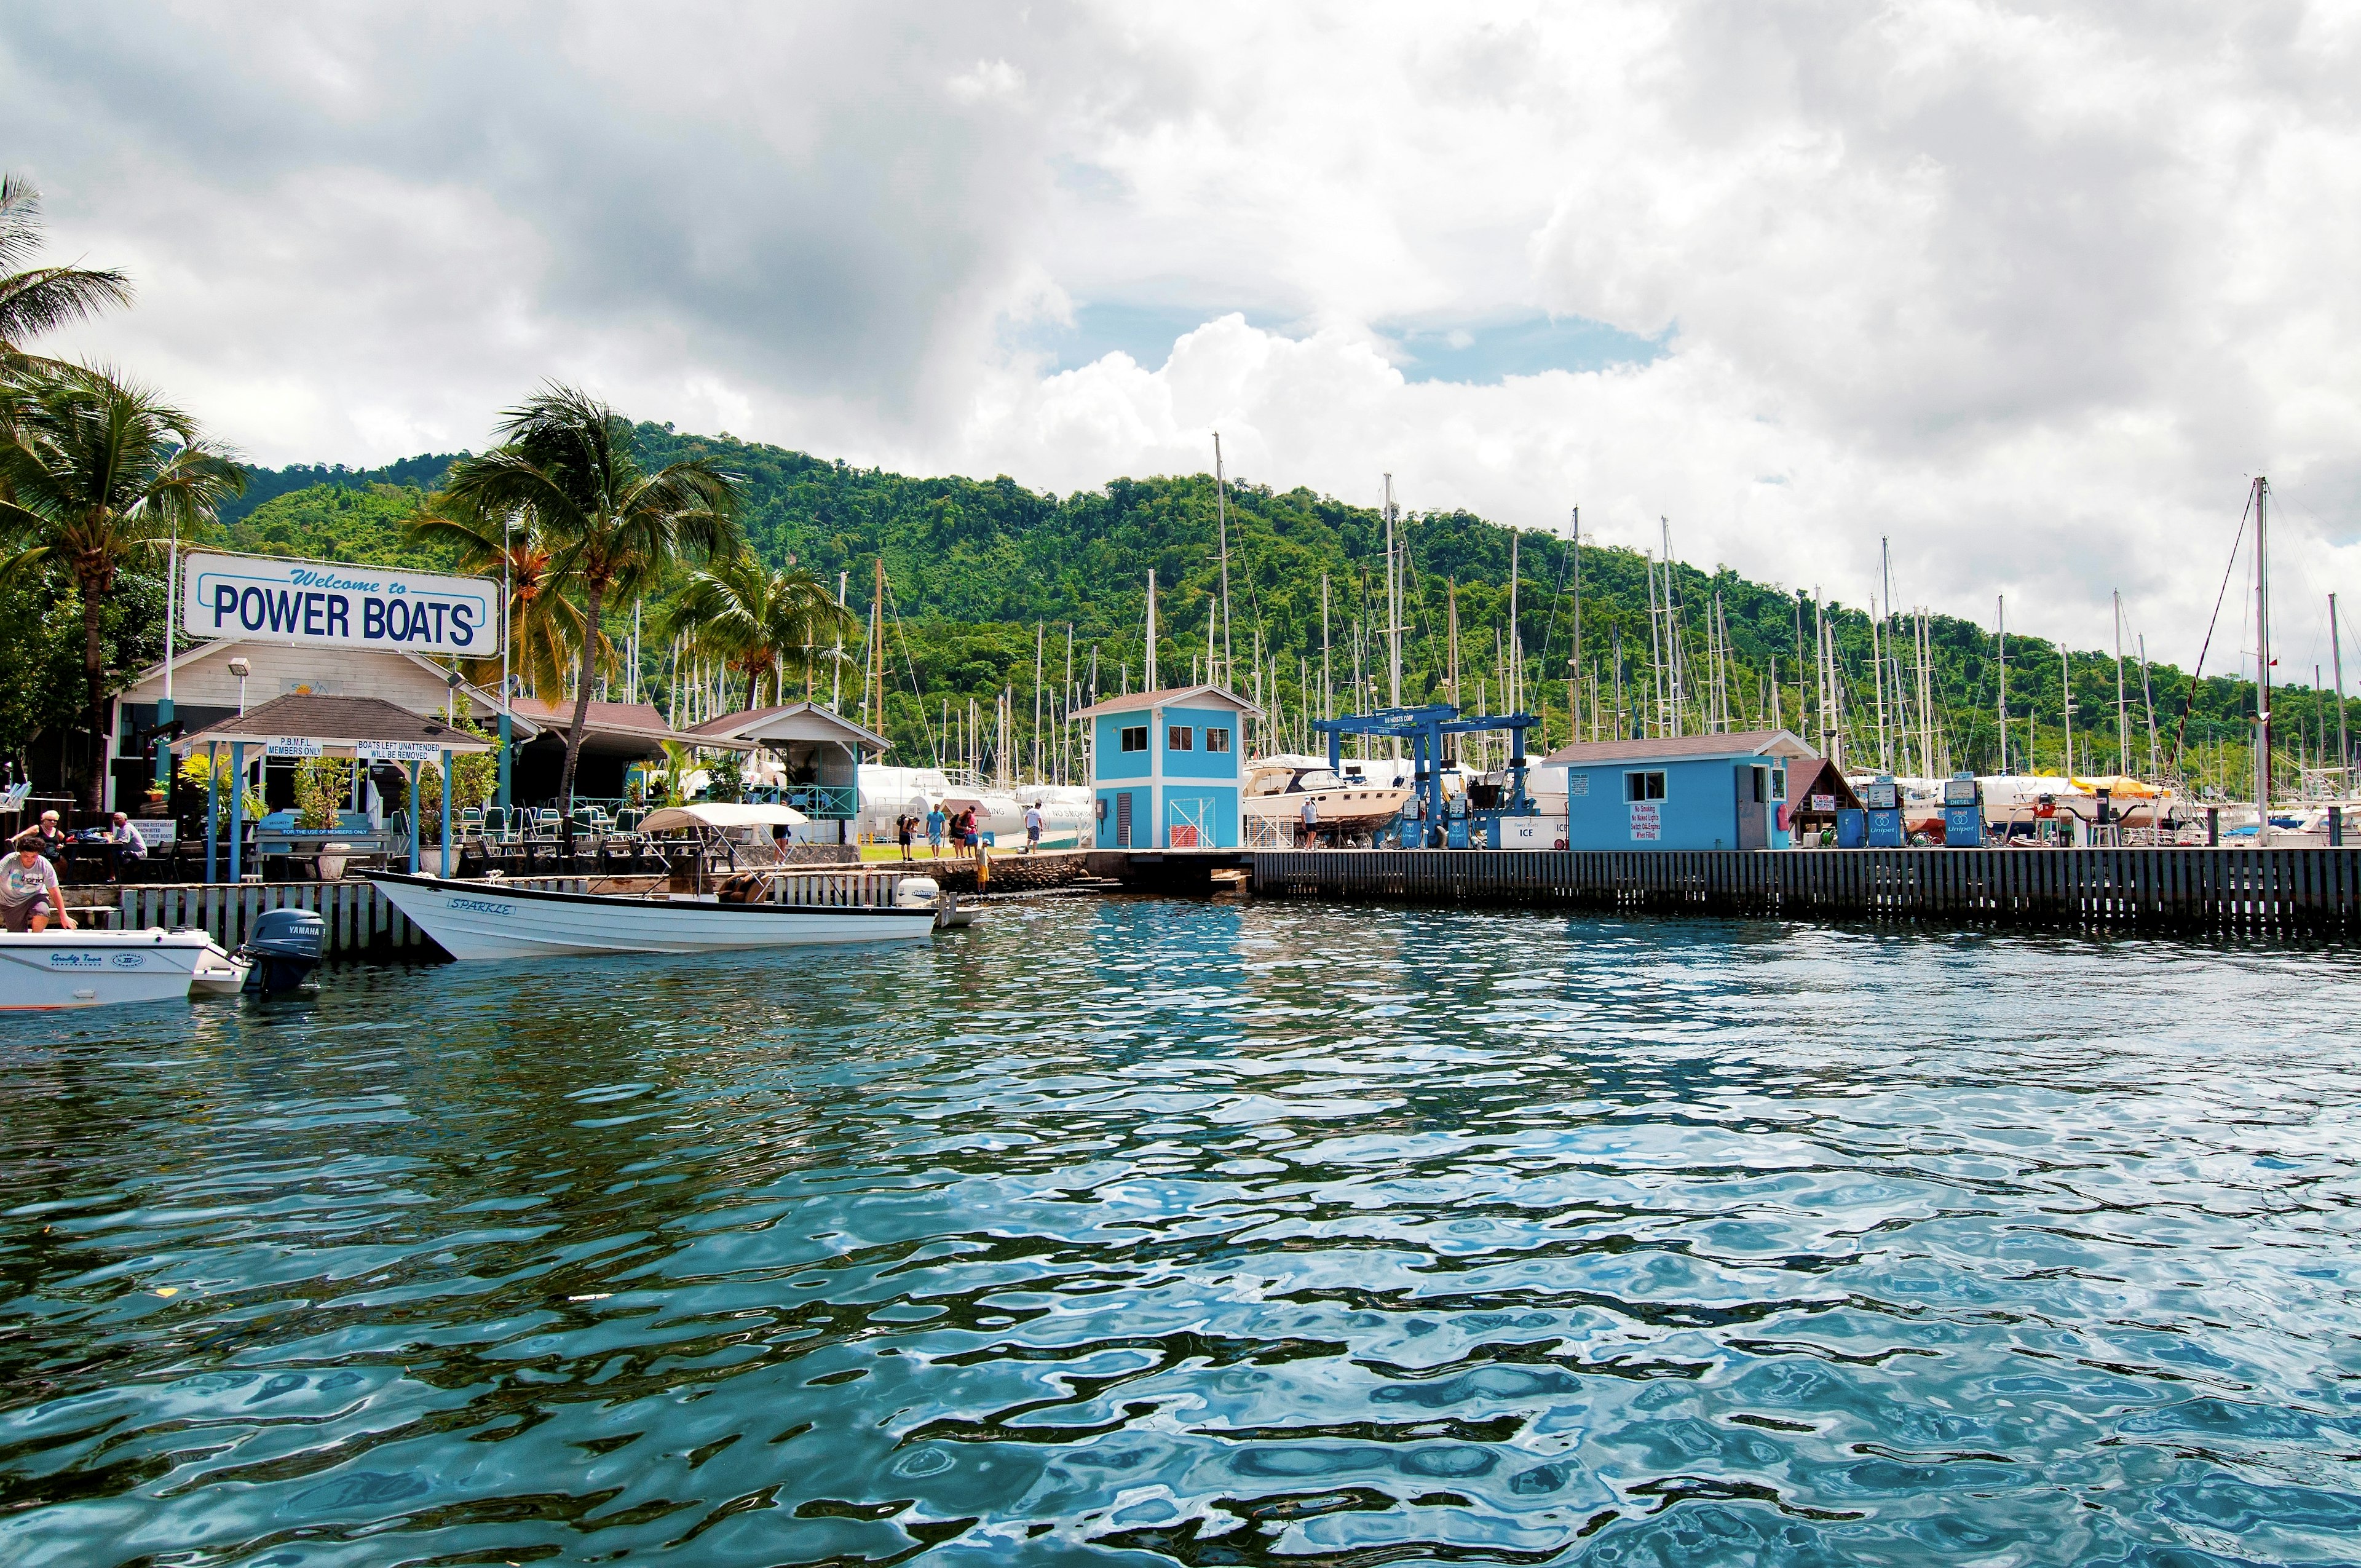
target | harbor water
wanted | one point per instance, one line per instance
(1124, 1232)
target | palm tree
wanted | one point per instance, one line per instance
(40, 299)
(752, 617)
(565, 463)
(545, 626)
(94, 473)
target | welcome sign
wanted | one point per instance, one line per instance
(324, 604)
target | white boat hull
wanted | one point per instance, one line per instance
(479, 920)
(1354, 810)
(46, 970)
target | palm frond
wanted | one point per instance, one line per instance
(48, 298)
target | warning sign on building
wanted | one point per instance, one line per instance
(1647, 819)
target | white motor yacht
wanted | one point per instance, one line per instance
(1277, 786)
(53, 969)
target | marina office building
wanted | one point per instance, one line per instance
(1687, 792)
(1167, 768)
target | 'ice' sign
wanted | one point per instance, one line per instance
(330, 606)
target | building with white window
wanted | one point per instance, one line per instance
(1682, 792)
(1167, 767)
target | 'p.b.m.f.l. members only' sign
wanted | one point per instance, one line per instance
(330, 606)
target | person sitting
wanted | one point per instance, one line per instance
(123, 843)
(29, 895)
(52, 837)
(745, 887)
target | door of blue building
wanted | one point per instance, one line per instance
(1753, 806)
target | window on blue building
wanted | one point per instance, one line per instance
(1216, 740)
(1644, 785)
(1180, 737)
(1135, 738)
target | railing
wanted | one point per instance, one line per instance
(832, 803)
(2299, 889)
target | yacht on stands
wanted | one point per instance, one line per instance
(1352, 804)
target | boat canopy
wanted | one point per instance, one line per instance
(719, 814)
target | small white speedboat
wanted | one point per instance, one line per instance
(475, 920)
(52, 969)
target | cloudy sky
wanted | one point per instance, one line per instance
(2033, 290)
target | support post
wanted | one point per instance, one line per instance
(447, 793)
(213, 806)
(413, 815)
(506, 743)
(237, 805)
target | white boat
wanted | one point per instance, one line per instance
(52, 969)
(1068, 811)
(476, 920)
(1276, 788)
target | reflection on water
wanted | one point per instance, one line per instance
(1136, 1232)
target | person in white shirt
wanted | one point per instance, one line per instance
(29, 896)
(1032, 826)
(1311, 821)
(123, 843)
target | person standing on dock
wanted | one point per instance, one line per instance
(29, 895)
(1311, 821)
(1032, 826)
(935, 824)
(906, 828)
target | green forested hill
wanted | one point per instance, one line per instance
(975, 566)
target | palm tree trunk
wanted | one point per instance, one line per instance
(592, 616)
(93, 671)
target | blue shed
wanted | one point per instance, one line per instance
(1167, 767)
(1682, 792)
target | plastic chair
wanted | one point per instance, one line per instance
(496, 825)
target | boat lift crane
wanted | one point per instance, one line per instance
(1424, 727)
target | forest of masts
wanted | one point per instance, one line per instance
(1676, 674)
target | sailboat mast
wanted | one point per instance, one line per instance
(2122, 709)
(2000, 617)
(2262, 662)
(2148, 695)
(1222, 527)
(837, 664)
(2066, 707)
(1574, 660)
(1451, 671)
(1876, 662)
(1394, 606)
(877, 653)
(1328, 690)
(1515, 688)
(1150, 666)
(2336, 668)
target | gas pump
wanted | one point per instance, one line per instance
(1455, 813)
(1963, 812)
(1882, 798)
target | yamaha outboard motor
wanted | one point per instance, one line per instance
(284, 947)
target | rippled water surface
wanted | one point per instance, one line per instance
(1135, 1233)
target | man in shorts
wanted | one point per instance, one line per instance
(29, 896)
(903, 826)
(1032, 826)
(935, 825)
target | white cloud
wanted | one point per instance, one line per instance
(2030, 290)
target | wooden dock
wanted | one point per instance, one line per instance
(2192, 888)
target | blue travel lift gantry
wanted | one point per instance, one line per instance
(1425, 729)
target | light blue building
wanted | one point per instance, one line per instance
(1688, 791)
(1167, 768)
